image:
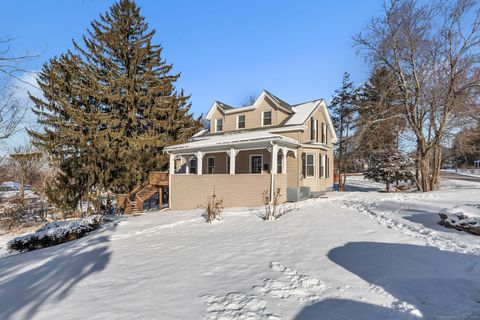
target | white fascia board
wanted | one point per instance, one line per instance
(329, 120)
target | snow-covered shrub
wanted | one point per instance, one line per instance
(461, 218)
(213, 208)
(389, 166)
(55, 233)
(271, 206)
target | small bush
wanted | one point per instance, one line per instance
(55, 233)
(271, 206)
(213, 208)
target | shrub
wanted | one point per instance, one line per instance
(271, 206)
(56, 233)
(213, 208)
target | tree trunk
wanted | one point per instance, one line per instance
(437, 160)
(425, 171)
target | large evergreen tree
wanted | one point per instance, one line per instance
(380, 116)
(110, 107)
(343, 112)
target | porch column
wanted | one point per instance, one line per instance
(171, 167)
(199, 156)
(284, 160)
(187, 164)
(232, 154)
(274, 159)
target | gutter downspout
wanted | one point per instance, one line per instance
(169, 182)
(272, 178)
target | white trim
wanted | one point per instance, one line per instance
(216, 124)
(250, 163)
(329, 122)
(193, 157)
(213, 170)
(244, 121)
(271, 119)
(323, 164)
(261, 97)
(306, 165)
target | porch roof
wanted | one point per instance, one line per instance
(243, 140)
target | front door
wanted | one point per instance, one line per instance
(256, 164)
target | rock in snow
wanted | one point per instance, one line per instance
(463, 218)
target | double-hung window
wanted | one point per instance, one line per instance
(308, 168)
(279, 162)
(322, 166)
(193, 166)
(241, 122)
(267, 118)
(210, 165)
(313, 130)
(218, 125)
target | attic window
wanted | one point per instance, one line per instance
(241, 122)
(267, 118)
(218, 125)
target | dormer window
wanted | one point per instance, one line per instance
(241, 122)
(218, 125)
(267, 118)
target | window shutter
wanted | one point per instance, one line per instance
(316, 130)
(303, 165)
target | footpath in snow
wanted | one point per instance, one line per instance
(360, 254)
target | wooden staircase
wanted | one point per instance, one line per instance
(132, 203)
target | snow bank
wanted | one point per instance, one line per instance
(55, 233)
(463, 218)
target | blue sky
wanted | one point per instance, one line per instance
(225, 50)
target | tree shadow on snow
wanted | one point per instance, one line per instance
(439, 283)
(48, 275)
(340, 309)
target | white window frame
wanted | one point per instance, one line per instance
(306, 165)
(263, 118)
(190, 165)
(208, 165)
(216, 124)
(314, 129)
(323, 164)
(244, 121)
(324, 133)
(280, 163)
(250, 163)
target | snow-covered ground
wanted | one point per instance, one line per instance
(466, 172)
(354, 255)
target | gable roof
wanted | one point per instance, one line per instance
(225, 108)
(299, 113)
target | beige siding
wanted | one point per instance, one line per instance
(316, 183)
(281, 181)
(253, 118)
(244, 190)
(292, 171)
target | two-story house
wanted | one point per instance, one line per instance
(247, 150)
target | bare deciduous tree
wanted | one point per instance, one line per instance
(432, 50)
(12, 111)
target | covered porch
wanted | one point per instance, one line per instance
(237, 171)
